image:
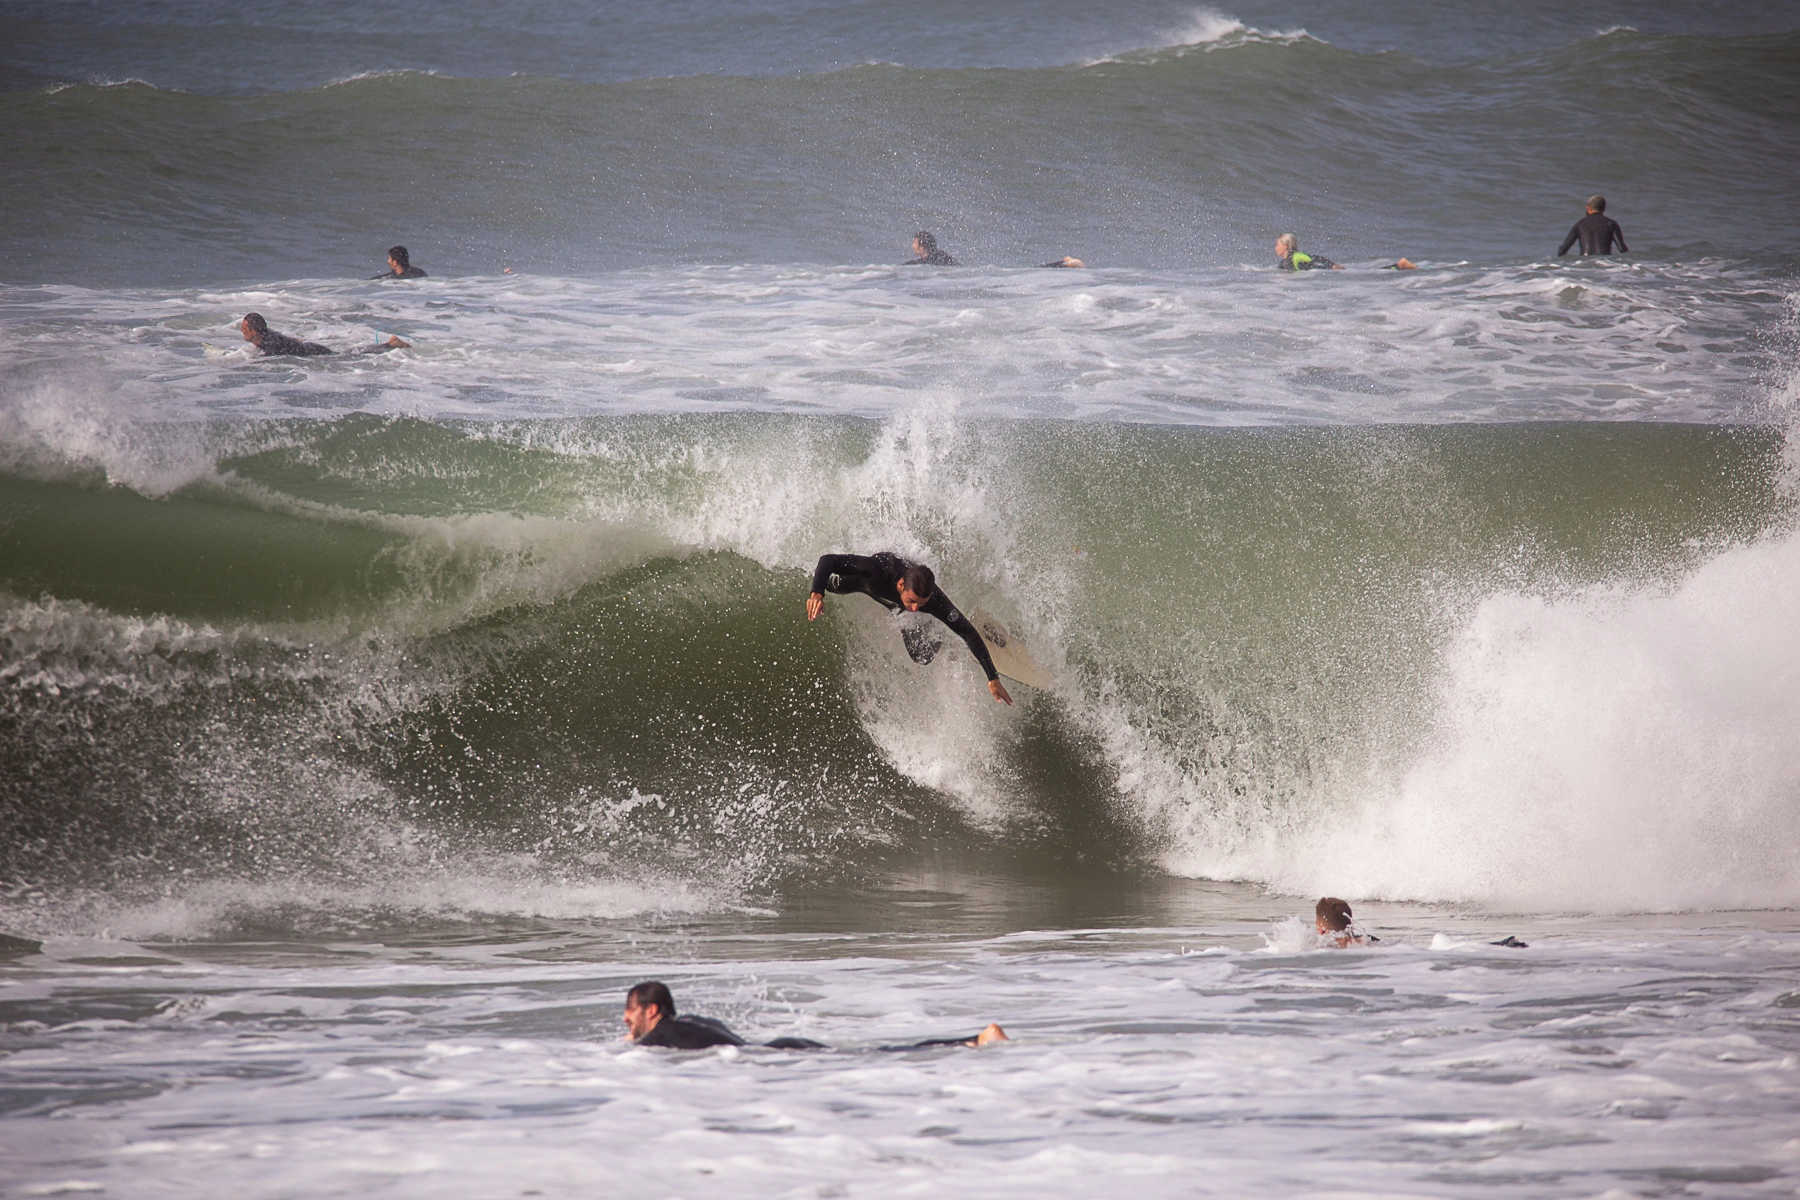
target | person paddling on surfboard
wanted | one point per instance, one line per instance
(896, 584)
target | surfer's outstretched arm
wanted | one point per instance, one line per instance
(940, 607)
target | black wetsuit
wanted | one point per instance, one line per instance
(409, 273)
(690, 1033)
(878, 576)
(700, 1033)
(1296, 261)
(937, 258)
(1596, 232)
(273, 343)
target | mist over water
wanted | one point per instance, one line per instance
(369, 722)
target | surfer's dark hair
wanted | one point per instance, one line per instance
(927, 241)
(1597, 203)
(256, 322)
(652, 991)
(920, 581)
(398, 254)
(1334, 912)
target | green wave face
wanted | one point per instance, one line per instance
(358, 648)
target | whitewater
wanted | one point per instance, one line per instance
(370, 723)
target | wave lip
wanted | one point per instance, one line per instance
(1207, 31)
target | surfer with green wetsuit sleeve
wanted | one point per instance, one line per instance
(896, 584)
(1289, 258)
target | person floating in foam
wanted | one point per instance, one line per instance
(400, 266)
(1596, 232)
(896, 584)
(1335, 927)
(651, 1020)
(926, 252)
(257, 332)
(1066, 260)
(1289, 258)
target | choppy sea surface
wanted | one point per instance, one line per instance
(369, 723)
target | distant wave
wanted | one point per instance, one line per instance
(398, 73)
(104, 84)
(1208, 30)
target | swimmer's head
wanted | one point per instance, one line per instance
(924, 242)
(398, 256)
(1286, 244)
(253, 327)
(1333, 915)
(651, 994)
(1596, 203)
(917, 586)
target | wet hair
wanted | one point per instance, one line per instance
(398, 254)
(920, 581)
(927, 242)
(1288, 240)
(652, 991)
(1334, 912)
(1597, 203)
(256, 322)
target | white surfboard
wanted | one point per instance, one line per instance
(1007, 648)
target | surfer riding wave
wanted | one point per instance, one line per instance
(896, 584)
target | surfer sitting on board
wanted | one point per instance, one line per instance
(897, 584)
(1332, 920)
(650, 1020)
(258, 334)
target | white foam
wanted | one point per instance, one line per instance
(1205, 30)
(1614, 750)
(422, 1069)
(1232, 347)
(80, 424)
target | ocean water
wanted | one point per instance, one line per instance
(369, 723)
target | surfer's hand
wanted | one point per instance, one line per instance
(815, 604)
(999, 691)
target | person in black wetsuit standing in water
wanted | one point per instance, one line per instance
(897, 584)
(1596, 232)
